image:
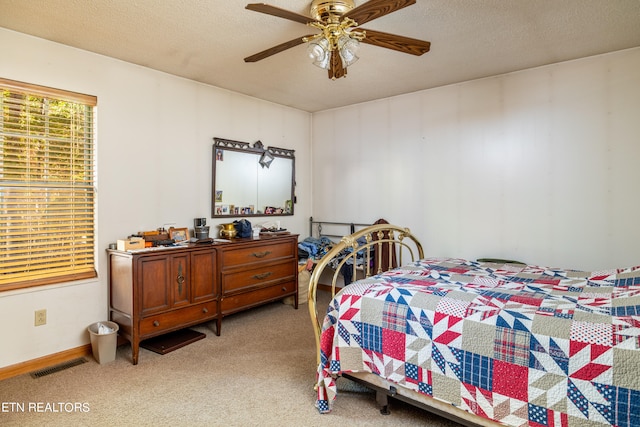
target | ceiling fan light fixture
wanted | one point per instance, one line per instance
(319, 52)
(322, 10)
(335, 47)
(348, 48)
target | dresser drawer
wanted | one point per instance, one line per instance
(178, 318)
(259, 296)
(261, 276)
(277, 250)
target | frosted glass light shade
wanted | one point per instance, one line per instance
(319, 53)
(348, 49)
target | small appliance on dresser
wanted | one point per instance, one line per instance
(200, 228)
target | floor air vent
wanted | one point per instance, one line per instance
(58, 368)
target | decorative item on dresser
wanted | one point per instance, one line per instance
(159, 290)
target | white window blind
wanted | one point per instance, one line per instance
(47, 185)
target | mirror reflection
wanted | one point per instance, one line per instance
(251, 180)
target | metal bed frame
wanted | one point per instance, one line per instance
(318, 226)
(407, 248)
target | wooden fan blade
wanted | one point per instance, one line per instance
(396, 42)
(336, 70)
(374, 9)
(276, 49)
(280, 13)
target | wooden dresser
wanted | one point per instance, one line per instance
(153, 292)
(156, 291)
(255, 271)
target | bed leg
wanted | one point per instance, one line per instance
(383, 401)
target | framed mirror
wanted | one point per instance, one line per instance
(251, 180)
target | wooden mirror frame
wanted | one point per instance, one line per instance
(259, 150)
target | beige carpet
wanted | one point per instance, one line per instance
(260, 371)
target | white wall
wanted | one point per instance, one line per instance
(539, 165)
(154, 167)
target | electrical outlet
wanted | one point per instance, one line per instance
(41, 317)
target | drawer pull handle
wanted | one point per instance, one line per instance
(284, 289)
(261, 254)
(262, 275)
(156, 323)
(205, 310)
(180, 279)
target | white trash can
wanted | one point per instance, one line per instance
(104, 341)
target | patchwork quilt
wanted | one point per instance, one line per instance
(520, 345)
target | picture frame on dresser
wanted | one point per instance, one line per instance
(179, 234)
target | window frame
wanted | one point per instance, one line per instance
(45, 189)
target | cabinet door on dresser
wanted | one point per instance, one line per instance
(163, 282)
(180, 279)
(153, 279)
(203, 283)
(175, 280)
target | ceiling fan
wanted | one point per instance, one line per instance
(335, 47)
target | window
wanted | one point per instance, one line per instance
(47, 191)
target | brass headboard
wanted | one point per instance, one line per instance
(333, 229)
(383, 246)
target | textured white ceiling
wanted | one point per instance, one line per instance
(206, 41)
